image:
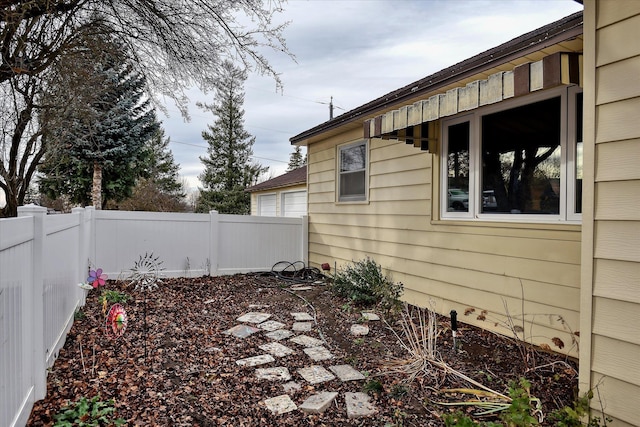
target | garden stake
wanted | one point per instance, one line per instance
(454, 329)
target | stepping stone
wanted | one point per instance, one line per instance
(302, 326)
(306, 341)
(318, 353)
(256, 360)
(271, 325)
(359, 330)
(368, 315)
(318, 403)
(301, 317)
(241, 331)
(280, 404)
(253, 317)
(291, 386)
(276, 349)
(346, 373)
(358, 405)
(316, 374)
(279, 373)
(278, 335)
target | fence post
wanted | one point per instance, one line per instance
(81, 270)
(214, 235)
(305, 239)
(35, 318)
(91, 229)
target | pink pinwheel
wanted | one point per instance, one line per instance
(116, 322)
(96, 278)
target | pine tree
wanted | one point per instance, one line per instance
(160, 168)
(228, 169)
(97, 142)
(296, 160)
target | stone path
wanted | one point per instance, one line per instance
(284, 336)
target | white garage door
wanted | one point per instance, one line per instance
(294, 203)
(267, 205)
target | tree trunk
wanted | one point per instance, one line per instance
(96, 190)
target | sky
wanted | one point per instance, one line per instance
(354, 51)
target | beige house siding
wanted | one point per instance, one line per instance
(611, 270)
(278, 193)
(458, 265)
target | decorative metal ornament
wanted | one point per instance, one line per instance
(116, 322)
(146, 273)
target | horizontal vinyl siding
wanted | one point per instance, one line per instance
(459, 265)
(615, 366)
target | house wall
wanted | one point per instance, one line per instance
(458, 265)
(278, 192)
(611, 267)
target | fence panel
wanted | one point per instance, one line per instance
(179, 240)
(256, 243)
(16, 334)
(60, 276)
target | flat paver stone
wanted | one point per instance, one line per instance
(358, 405)
(256, 360)
(291, 386)
(306, 341)
(276, 349)
(316, 374)
(346, 373)
(302, 326)
(241, 331)
(359, 329)
(278, 335)
(318, 403)
(253, 317)
(271, 325)
(280, 404)
(301, 317)
(368, 315)
(318, 353)
(279, 373)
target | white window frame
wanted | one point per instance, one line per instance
(567, 160)
(354, 198)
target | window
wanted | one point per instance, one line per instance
(513, 161)
(352, 165)
(267, 205)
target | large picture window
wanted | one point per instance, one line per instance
(352, 164)
(517, 161)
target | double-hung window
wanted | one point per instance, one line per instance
(352, 176)
(519, 161)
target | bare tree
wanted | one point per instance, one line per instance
(174, 44)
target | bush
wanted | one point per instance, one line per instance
(364, 284)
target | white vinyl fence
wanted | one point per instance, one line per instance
(43, 258)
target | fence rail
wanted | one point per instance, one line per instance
(44, 257)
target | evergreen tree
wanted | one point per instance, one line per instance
(228, 169)
(96, 143)
(296, 160)
(159, 166)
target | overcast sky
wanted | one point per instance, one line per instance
(355, 51)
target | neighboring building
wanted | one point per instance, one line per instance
(284, 195)
(478, 188)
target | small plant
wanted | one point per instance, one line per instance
(358, 341)
(572, 416)
(372, 386)
(79, 315)
(364, 284)
(94, 412)
(113, 297)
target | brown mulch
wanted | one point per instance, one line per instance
(189, 377)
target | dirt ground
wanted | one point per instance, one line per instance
(174, 366)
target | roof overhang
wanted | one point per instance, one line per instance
(563, 36)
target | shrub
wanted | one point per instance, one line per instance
(364, 284)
